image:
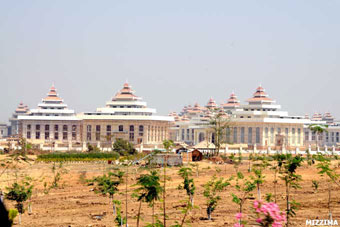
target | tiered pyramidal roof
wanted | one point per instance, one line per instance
(260, 96)
(126, 93)
(21, 109)
(232, 101)
(211, 104)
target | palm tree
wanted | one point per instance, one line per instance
(149, 189)
(318, 130)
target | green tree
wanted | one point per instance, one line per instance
(123, 147)
(12, 213)
(168, 144)
(291, 179)
(325, 169)
(219, 122)
(244, 188)
(19, 192)
(211, 192)
(189, 187)
(149, 189)
(108, 185)
(318, 130)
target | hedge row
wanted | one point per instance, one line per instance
(61, 157)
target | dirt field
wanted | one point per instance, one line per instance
(75, 204)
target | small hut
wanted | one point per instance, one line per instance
(196, 155)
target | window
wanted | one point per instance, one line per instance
(337, 137)
(120, 128)
(56, 135)
(56, 128)
(235, 135)
(47, 135)
(47, 127)
(37, 127)
(132, 128)
(28, 127)
(279, 131)
(98, 132)
(307, 136)
(293, 135)
(88, 134)
(74, 132)
(65, 135)
(242, 134)
(37, 135)
(313, 136)
(250, 135)
(266, 132)
(327, 136)
(213, 137)
(299, 135)
(192, 134)
(332, 137)
(131, 136)
(201, 137)
(64, 128)
(257, 135)
(108, 128)
(272, 135)
(182, 134)
(188, 132)
(228, 135)
(141, 130)
(28, 135)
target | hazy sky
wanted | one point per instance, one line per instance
(173, 53)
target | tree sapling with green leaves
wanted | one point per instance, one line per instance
(211, 192)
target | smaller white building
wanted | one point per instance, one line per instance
(3, 130)
(52, 123)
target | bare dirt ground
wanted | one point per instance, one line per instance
(75, 204)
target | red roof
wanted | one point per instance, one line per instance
(52, 95)
(232, 101)
(260, 95)
(126, 93)
(211, 103)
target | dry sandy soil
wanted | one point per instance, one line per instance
(75, 204)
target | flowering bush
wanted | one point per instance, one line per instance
(267, 215)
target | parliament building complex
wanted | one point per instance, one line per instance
(258, 124)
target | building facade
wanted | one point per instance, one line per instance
(21, 110)
(127, 117)
(3, 130)
(260, 122)
(53, 126)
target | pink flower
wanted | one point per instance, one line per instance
(259, 220)
(238, 225)
(238, 216)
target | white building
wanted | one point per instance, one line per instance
(3, 130)
(52, 123)
(14, 122)
(260, 122)
(126, 116)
